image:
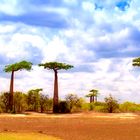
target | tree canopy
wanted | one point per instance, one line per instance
(18, 66)
(56, 66)
(94, 91)
(36, 90)
(136, 62)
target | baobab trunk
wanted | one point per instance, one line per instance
(90, 99)
(55, 98)
(11, 92)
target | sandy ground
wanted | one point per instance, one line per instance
(75, 115)
(79, 126)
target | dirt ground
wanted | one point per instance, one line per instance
(80, 126)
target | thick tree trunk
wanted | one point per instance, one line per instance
(11, 102)
(55, 97)
(90, 99)
(93, 99)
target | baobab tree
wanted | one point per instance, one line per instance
(13, 68)
(55, 66)
(93, 95)
(89, 96)
(136, 62)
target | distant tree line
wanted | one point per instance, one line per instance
(34, 100)
(31, 101)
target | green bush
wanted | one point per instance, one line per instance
(74, 102)
(99, 103)
(85, 106)
(100, 108)
(4, 102)
(97, 107)
(91, 106)
(20, 104)
(64, 107)
(111, 104)
(129, 107)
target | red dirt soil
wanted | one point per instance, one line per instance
(81, 126)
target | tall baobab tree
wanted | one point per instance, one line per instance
(55, 66)
(13, 68)
(136, 62)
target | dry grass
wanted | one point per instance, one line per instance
(86, 126)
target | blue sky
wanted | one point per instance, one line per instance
(99, 37)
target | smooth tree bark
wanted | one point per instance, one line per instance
(55, 99)
(55, 66)
(12, 68)
(11, 91)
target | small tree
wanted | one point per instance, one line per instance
(12, 68)
(44, 102)
(20, 104)
(55, 66)
(73, 101)
(4, 101)
(111, 104)
(33, 99)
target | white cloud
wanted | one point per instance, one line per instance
(71, 2)
(88, 6)
(10, 7)
(54, 48)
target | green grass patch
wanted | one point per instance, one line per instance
(25, 136)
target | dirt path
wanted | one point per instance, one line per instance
(75, 115)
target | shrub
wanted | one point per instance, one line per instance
(100, 108)
(129, 107)
(45, 103)
(33, 100)
(20, 104)
(111, 104)
(91, 106)
(74, 103)
(64, 107)
(97, 106)
(85, 106)
(4, 101)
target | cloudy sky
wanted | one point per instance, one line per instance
(99, 37)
